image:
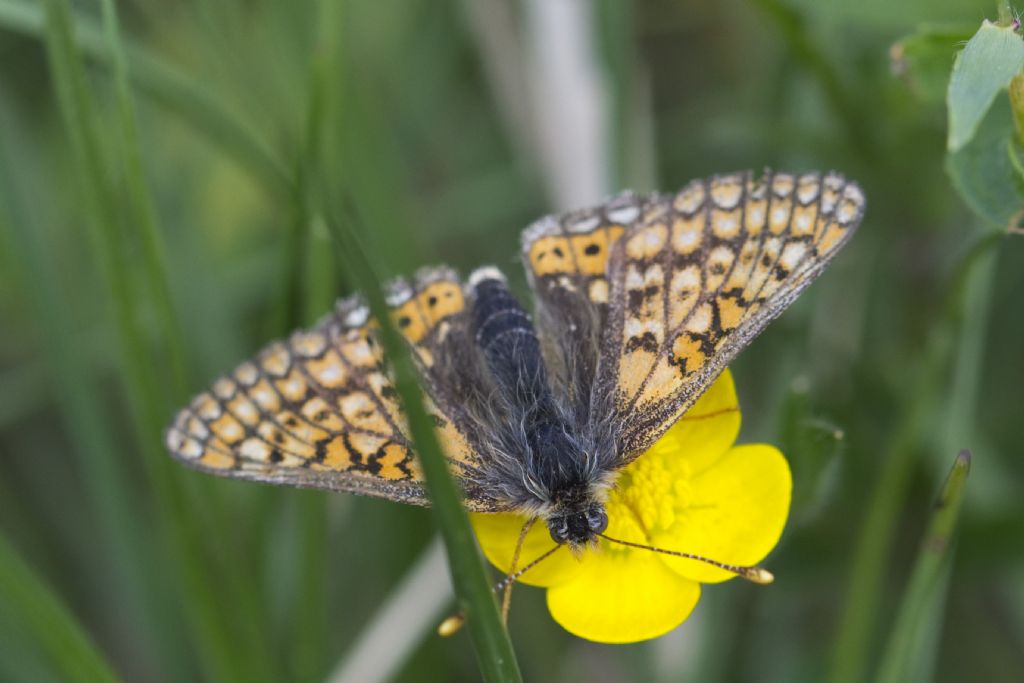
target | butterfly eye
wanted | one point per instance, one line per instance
(597, 519)
(559, 529)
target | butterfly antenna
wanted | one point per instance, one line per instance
(756, 575)
(454, 623)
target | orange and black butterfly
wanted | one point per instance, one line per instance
(639, 304)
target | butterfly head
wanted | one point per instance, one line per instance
(579, 527)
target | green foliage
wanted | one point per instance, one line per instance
(169, 175)
(983, 141)
(983, 70)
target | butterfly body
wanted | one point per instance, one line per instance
(639, 304)
(550, 473)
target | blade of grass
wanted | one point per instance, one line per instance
(473, 590)
(325, 68)
(230, 643)
(74, 387)
(308, 288)
(850, 658)
(181, 93)
(905, 654)
(141, 204)
(28, 601)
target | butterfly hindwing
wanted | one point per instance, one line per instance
(566, 258)
(698, 276)
(320, 410)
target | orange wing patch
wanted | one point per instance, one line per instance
(570, 252)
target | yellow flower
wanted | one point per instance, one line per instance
(693, 491)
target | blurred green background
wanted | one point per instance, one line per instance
(159, 222)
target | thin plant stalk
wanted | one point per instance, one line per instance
(141, 204)
(472, 588)
(926, 590)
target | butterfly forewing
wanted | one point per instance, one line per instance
(701, 274)
(320, 410)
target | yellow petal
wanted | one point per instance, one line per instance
(622, 596)
(736, 514)
(498, 534)
(704, 433)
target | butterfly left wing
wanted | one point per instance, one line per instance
(698, 276)
(319, 410)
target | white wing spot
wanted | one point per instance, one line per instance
(357, 317)
(625, 214)
(584, 224)
(254, 449)
(191, 449)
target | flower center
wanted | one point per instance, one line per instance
(647, 498)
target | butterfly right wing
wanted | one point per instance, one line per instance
(321, 411)
(701, 275)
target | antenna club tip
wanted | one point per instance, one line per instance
(450, 626)
(760, 576)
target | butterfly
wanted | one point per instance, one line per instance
(639, 304)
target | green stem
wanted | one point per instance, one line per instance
(472, 587)
(905, 653)
(1004, 12)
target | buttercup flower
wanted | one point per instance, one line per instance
(693, 491)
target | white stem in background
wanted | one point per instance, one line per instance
(413, 610)
(569, 101)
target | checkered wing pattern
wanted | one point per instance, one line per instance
(319, 410)
(697, 275)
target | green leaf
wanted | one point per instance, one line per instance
(984, 68)
(983, 171)
(911, 648)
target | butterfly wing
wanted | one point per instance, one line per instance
(698, 276)
(320, 410)
(566, 260)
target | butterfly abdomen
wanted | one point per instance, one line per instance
(504, 333)
(551, 458)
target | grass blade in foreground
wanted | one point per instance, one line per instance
(29, 602)
(908, 651)
(472, 587)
